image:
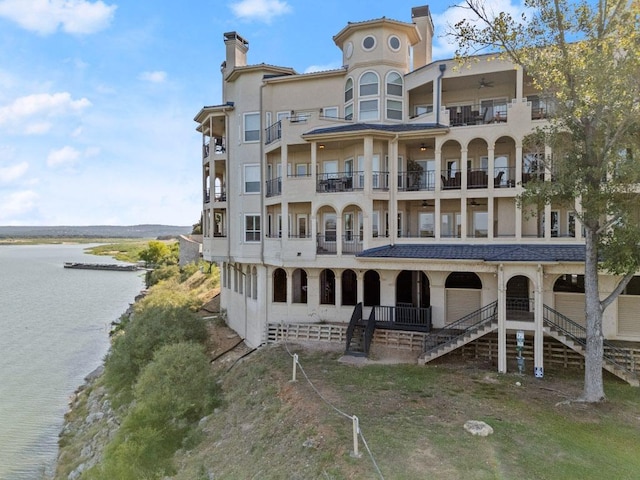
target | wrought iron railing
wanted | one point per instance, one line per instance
(273, 132)
(326, 244)
(274, 187)
(417, 181)
(351, 243)
(452, 332)
(356, 317)
(404, 316)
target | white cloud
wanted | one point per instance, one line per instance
(13, 172)
(262, 10)
(154, 77)
(40, 105)
(444, 46)
(63, 157)
(47, 16)
(17, 203)
(322, 68)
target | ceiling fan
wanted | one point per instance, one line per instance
(426, 204)
(475, 203)
(483, 83)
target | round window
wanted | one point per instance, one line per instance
(369, 42)
(394, 43)
(348, 50)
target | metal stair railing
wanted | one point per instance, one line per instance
(616, 356)
(356, 318)
(452, 332)
(368, 333)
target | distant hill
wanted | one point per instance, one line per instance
(96, 231)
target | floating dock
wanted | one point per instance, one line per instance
(101, 266)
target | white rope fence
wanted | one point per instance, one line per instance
(357, 431)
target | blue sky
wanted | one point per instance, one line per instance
(97, 98)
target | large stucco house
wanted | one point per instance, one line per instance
(389, 186)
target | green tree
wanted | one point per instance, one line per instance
(160, 253)
(585, 57)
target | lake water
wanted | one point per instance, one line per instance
(54, 325)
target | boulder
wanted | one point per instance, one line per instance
(477, 427)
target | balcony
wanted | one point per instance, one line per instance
(339, 182)
(413, 181)
(326, 244)
(350, 181)
(273, 132)
(274, 187)
(477, 114)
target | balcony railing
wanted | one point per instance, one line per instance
(326, 243)
(504, 177)
(417, 181)
(274, 187)
(477, 114)
(451, 179)
(339, 182)
(350, 181)
(273, 132)
(217, 146)
(351, 243)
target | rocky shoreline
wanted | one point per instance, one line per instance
(90, 424)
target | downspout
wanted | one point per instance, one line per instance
(265, 333)
(443, 67)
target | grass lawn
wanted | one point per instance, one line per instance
(412, 418)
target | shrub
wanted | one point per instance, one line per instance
(150, 329)
(173, 391)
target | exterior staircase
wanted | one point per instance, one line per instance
(360, 333)
(615, 360)
(459, 333)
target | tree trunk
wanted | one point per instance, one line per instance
(593, 382)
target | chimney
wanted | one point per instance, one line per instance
(237, 48)
(422, 54)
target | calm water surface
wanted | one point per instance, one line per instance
(53, 331)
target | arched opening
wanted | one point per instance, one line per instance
(349, 287)
(279, 286)
(371, 288)
(568, 297)
(463, 291)
(412, 289)
(299, 278)
(519, 303)
(327, 287)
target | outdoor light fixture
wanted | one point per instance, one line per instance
(423, 148)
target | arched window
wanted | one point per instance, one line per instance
(349, 287)
(299, 286)
(368, 108)
(255, 283)
(368, 84)
(394, 90)
(327, 287)
(279, 285)
(394, 84)
(348, 90)
(348, 99)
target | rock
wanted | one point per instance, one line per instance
(476, 427)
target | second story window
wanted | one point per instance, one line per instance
(252, 178)
(252, 228)
(394, 84)
(368, 107)
(348, 91)
(251, 127)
